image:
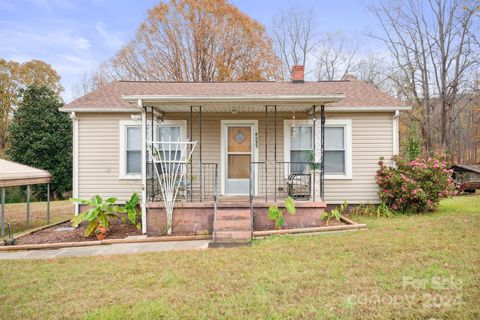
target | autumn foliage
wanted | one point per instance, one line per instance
(415, 186)
(195, 40)
(15, 77)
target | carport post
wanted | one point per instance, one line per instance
(48, 203)
(3, 212)
(28, 206)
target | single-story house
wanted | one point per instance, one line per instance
(256, 143)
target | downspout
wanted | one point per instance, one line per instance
(74, 118)
(395, 135)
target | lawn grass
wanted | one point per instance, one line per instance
(334, 276)
(16, 214)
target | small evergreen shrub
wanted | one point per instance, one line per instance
(415, 186)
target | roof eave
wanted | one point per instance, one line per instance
(366, 108)
(328, 108)
(234, 100)
(98, 109)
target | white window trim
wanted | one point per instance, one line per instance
(122, 166)
(122, 132)
(346, 123)
(168, 123)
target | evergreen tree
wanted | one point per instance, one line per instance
(41, 136)
(414, 144)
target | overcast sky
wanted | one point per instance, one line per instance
(75, 36)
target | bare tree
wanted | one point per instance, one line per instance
(376, 70)
(435, 54)
(294, 39)
(335, 57)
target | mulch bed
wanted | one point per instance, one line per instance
(49, 235)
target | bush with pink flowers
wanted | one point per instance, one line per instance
(415, 186)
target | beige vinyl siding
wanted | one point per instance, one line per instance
(99, 157)
(99, 151)
(372, 138)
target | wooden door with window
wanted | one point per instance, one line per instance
(238, 153)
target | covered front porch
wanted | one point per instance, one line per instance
(239, 166)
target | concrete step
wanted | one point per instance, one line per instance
(233, 236)
(233, 214)
(233, 225)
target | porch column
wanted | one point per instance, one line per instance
(144, 166)
(314, 125)
(275, 151)
(322, 146)
(266, 153)
(191, 157)
(200, 151)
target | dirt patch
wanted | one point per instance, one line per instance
(49, 235)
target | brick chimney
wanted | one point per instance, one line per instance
(298, 72)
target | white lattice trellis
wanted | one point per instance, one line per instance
(170, 160)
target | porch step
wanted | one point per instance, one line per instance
(233, 214)
(233, 225)
(233, 236)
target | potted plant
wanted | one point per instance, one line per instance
(101, 232)
(98, 215)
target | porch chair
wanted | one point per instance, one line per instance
(299, 185)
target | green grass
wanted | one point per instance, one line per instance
(336, 276)
(16, 214)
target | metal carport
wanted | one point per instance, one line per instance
(14, 174)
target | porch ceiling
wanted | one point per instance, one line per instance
(234, 109)
(225, 103)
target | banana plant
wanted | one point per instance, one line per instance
(99, 213)
(275, 214)
(133, 214)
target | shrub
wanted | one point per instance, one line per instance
(415, 186)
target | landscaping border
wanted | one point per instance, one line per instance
(350, 225)
(59, 245)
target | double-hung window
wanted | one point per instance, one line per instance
(301, 144)
(334, 150)
(131, 148)
(130, 163)
(338, 150)
(171, 132)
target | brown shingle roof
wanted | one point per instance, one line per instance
(357, 93)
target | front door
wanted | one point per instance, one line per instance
(238, 153)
